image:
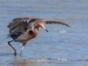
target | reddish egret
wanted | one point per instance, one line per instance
(24, 29)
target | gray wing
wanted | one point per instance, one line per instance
(17, 21)
(55, 22)
(20, 25)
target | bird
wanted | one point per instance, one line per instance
(24, 29)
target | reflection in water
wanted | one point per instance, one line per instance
(18, 62)
(23, 62)
(44, 62)
(32, 62)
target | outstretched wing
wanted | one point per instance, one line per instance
(56, 22)
(20, 25)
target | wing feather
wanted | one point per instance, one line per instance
(56, 22)
(19, 25)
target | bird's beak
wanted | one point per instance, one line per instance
(44, 28)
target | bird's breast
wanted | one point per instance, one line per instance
(26, 36)
(32, 34)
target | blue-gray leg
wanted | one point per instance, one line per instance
(15, 53)
(22, 48)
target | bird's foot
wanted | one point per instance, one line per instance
(15, 53)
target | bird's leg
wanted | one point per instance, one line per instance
(22, 48)
(15, 53)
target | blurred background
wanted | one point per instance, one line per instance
(60, 46)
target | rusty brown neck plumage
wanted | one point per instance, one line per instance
(36, 30)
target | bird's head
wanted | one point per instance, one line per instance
(40, 24)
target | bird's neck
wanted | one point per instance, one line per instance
(36, 30)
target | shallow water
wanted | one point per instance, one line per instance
(60, 46)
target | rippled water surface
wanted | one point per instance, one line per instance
(61, 46)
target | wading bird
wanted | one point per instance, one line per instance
(25, 29)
